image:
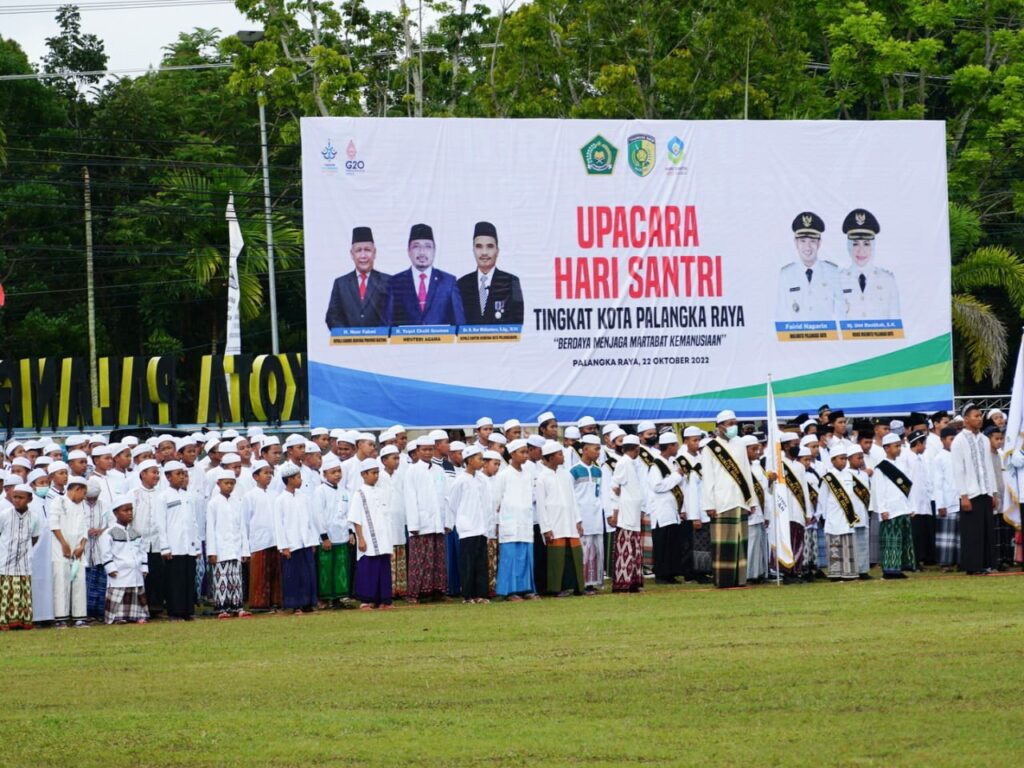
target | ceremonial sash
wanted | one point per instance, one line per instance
(610, 458)
(862, 491)
(897, 477)
(730, 466)
(796, 489)
(666, 470)
(812, 489)
(845, 502)
(759, 491)
(687, 467)
(647, 456)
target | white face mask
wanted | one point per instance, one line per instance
(731, 432)
(43, 492)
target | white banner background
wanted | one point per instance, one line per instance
(746, 182)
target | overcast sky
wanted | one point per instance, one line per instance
(133, 38)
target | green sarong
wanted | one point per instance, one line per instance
(333, 572)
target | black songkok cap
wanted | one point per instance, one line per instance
(362, 235)
(421, 232)
(485, 229)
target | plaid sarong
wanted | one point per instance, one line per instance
(860, 548)
(628, 574)
(227, 585)
(897, 544)
(95, 591)
(125, 604)
(947, 539)
(729, 539)
(842, 561)
(796, 542)
(15, 601)
(757, 552)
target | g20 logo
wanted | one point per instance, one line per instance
(353, 164)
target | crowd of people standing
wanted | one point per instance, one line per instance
(126, 531)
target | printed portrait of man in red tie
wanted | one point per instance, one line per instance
(359, 298)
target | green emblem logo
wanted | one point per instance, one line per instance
(641, 153)
(599, 156)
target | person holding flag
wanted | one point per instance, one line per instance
(778, 509)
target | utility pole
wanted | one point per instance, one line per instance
(267, 211)
(90, 292)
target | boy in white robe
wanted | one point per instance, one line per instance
(125, 561)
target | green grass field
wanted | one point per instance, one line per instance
(928, 671)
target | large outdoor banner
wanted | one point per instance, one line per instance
(623, 269)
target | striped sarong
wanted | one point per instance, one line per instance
(729, 540)
(265, 579)
(896, 543)
(125, 604)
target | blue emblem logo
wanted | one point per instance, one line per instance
(329, 152)
(676, 149)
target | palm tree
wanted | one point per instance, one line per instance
(187, 218)
(977, 328)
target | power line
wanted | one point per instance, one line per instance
(106, 5)
(67, 73)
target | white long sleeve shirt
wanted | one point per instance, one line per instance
(470, 510)
(330, 511)
(425, 491)
(72, 520)
(921, 491)
(16, 533)
(586, 485)
(661, 502)
(226, 534)
(369, 510)
(556, 503)
(258, 510)
(972, 467)
(719, 491)
(630, 479)
(393, 486)
(692, 506)
(294, 527)
(124, 552)
(887, 497)
(512, 496)
(836, 523)
(144, 502)
(176, 522)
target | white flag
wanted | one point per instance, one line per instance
(781, 545)
(1014, 441)
(233, 345)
